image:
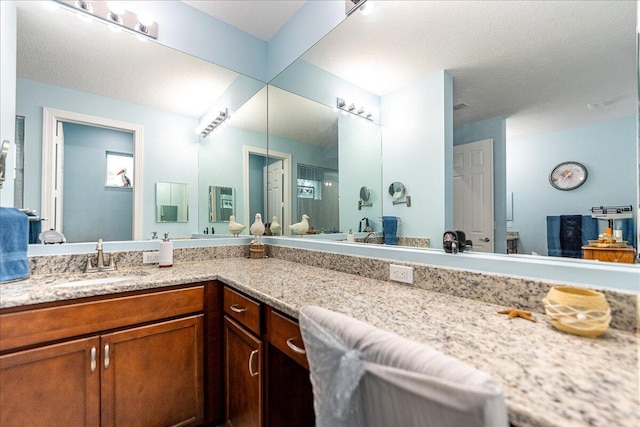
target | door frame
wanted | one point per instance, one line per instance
(51, 199)
(286, 185)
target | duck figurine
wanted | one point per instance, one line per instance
(301, 227)
(275, 227)
(235, 227)
(257, 229)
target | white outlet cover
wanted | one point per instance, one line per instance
(401, 273)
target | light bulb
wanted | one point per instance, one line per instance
(116, 7)
(367, 8)
(145, 18)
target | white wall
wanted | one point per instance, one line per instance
(417, 150)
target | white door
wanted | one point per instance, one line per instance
(274, 189)
(473, 193)
(59, 179)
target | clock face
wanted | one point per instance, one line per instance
(568, 176)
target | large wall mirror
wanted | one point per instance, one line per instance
(82, 71)
(545, 82)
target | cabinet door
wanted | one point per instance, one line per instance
(55, 385)
(243, 372)
(152, 375)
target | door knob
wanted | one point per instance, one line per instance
(486, 239)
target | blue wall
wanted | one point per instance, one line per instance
(170, 148)
(417, 150)
(494, 128)
(604, 148)
(91, 210)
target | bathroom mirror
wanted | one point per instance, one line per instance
(172, 202)
(365, 194)
(514, 85)
(396, 190)
(68, 64)
(222, 202)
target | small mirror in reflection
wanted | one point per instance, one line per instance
(365, 194)
(222, 202)
(172, 202)
(396, 190)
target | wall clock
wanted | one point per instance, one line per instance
(568, 176)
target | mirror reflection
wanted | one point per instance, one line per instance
(172, 202)
(222, 202)
(537, 100)
(155, 93)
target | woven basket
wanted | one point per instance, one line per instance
(256, 251)
(578, 311)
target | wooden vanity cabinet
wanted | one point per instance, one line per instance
(289, 395)
(243, 360)
(139, 363)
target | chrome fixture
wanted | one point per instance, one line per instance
(99, 264)
(366, 239)
(4, 151)
(207, 126)
(359, 111)
(351, 6)
(115, 15)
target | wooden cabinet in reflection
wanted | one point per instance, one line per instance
(623, 255)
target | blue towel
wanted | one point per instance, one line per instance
(35, 227)
(628, 230)
(389, 230)
(553, 236)
(566, 234)
(14, 240)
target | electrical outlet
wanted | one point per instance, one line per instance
(401, 273)
(150, 257)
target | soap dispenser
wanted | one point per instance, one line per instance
(166, 252)
(350, 237)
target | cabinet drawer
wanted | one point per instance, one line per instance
(242, 309)
(284, 334)
(37, 326)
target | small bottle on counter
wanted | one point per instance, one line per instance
(350, 237)
(166, 252)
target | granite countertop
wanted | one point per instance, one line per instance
(550, 378)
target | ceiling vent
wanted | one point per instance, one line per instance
(460, 106)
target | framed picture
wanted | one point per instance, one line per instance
(119, 171)
(305, 192)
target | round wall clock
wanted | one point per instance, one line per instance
(568, 176)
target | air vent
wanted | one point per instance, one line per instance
(460, 106)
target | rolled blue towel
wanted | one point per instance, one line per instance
(14, 240)
(553, 236)
(390, 229)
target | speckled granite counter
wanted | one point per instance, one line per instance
(550, 378)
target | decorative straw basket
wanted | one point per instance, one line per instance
(256, 251)
(577, 311)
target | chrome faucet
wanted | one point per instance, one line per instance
(366, 239)
(99, 264)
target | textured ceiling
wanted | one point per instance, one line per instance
(538, 63)
(260, 18)
(57, 48)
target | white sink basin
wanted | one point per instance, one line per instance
(90, 282)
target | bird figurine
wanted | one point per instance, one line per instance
(257, 229)
(126, 182)
(234, 227)
(275, 228)
(301, 227)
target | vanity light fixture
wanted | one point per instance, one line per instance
(115, 15)
(207, 126)
(357, 111)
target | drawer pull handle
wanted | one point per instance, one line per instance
(106, 356)
(94, 363)
(294, 347)
(253, 353)
(237, 308)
